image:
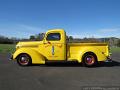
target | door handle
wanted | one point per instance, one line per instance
(44, 43)
(47, 42)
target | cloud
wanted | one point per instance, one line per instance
(109, 30)
(74, 35)
(29, 28)
(85, 35)
(20, 30)
(100, 33)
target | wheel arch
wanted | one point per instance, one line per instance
(89, 52)
(22, 54)
(95, 51)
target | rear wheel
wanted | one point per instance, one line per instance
(24, 60)
(89, 59)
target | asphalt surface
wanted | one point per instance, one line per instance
(58, 77)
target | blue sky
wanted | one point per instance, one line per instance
(79, 18)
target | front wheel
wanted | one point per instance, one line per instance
(24, 60)
(89, 59)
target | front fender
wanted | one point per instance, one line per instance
(36, 57)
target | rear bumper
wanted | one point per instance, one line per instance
(109, 59)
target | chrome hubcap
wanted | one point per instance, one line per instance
(24, 60)
(90, 60)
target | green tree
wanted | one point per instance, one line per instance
(32, 37)
(39, 36)
(70, 38)
(118, 43)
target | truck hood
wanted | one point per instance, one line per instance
(29, 44)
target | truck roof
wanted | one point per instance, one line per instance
(59, 30)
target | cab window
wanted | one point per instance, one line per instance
(53, 37)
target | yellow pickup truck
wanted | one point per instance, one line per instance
(55, 48)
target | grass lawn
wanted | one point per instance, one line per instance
(7, 48)
(115, 49)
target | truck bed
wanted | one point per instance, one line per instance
(74, 50)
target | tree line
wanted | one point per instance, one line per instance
(5, 40)
(112, 41)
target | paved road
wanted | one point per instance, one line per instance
(59, 77)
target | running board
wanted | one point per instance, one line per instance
(60, 62)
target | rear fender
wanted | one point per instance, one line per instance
(100, 56)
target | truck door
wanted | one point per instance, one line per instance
(54, 47)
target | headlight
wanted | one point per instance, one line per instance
(18, 46)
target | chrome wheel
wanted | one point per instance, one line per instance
(89, 59)
(24, 60)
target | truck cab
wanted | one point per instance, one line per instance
(54, 45)
(55, 48)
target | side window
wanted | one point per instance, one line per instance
(53, 37)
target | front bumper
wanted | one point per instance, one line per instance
(11, 58)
